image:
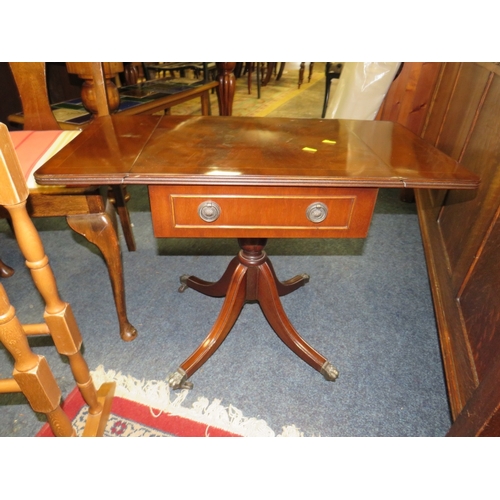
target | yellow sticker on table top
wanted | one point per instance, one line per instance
(309, 149)
(327, 141)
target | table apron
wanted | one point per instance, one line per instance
(264, 212)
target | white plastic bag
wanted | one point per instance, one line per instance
(360, 90)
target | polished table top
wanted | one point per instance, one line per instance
(264, 177)
(247, 151)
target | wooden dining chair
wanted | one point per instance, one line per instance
(87, 210)
(32, 375)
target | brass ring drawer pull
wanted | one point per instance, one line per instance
(317, 212)
(209, 211)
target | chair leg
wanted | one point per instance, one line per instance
(249, 76)
(259, 83)
(98, 229)
(328, 82)
(280, 72)
(301, 73)
(311, 69)
(238, 69)
(330, 74)
(269, 71)
(119, 200)
(327, 96)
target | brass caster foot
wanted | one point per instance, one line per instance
(329, 371)
(177, 380)
(183, 280)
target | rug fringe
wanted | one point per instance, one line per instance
(157, 395)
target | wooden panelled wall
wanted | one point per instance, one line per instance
(461, 230)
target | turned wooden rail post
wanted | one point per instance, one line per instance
(32, 374)
(58, 314)
(84, 70)
(226, 88)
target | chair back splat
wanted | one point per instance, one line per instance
(31, 82)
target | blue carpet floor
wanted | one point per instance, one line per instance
(367, 308)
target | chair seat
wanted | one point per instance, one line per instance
(36, 147)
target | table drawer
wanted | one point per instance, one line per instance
(265, 212)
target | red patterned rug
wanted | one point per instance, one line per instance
(145, 409)
(131, 419)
